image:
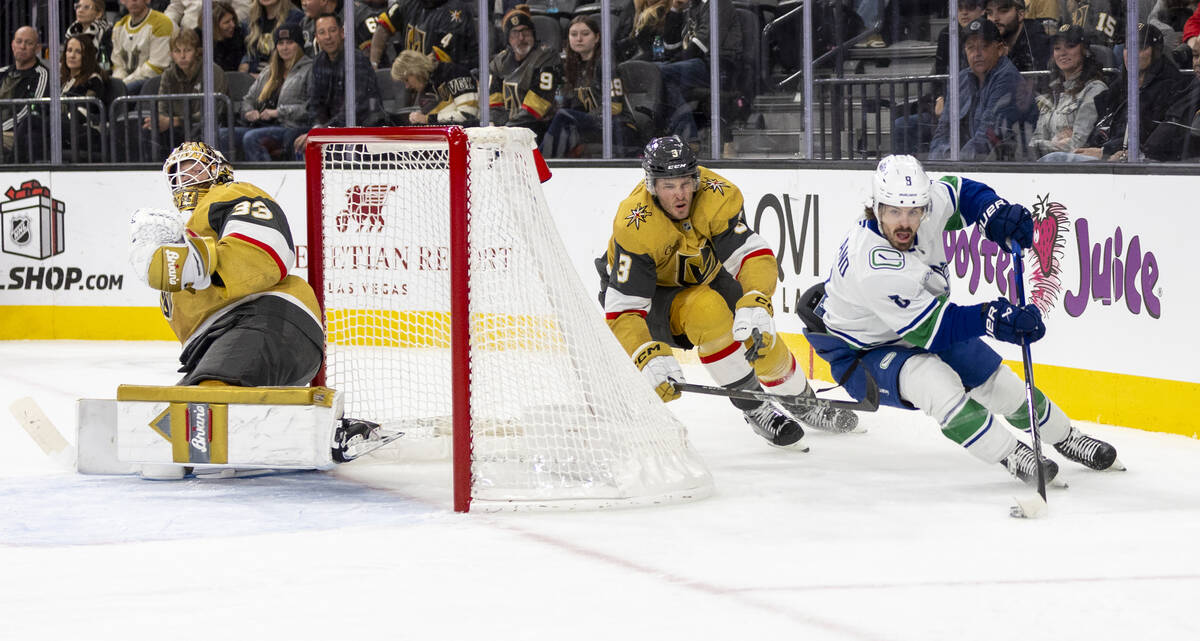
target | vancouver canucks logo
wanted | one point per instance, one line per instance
(637, 216)
(715, 185)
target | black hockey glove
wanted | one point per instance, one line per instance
(1004, 321)
(1003, 222)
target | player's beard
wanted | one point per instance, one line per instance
(906, 244)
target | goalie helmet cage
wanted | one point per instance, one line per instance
(451, 307)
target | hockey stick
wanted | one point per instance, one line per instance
(869, 403)
(1027, 361)
(43, 432)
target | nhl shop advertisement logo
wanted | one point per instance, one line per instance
(32, 222)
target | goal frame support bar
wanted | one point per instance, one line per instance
(460, 322)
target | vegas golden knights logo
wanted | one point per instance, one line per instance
(511, 98)
(414, 39)
(585, 95)
(694, 269)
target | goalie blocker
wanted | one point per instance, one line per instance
(162, 431)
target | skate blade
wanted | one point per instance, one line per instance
(1030, 507)
(798, 446)
(1059, 483)
(1117, 466)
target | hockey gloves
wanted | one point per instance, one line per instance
(187, 264)
(753, 312)
(1004, 321)
(659, 365)
(1004, 222)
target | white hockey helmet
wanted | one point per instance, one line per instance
(189, 183)
(900, 181)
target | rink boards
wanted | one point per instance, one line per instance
(1107, 270)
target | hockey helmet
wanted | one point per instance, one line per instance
(900, 181)
(668, 157)
(190, 182)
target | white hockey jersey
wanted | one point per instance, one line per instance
(877, 294)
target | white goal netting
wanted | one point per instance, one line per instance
(559, 414)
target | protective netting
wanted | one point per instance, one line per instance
(559, 412)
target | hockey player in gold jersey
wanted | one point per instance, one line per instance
(684, 270)
(221, 264)
(222, 267)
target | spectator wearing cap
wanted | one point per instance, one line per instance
(265, 17)
(911, 133)
(1191, 34)
(524, 77)
(1028, 46)
(1067, 113)
(1160, 83)
(276, 105)
(326, 99)
(987, 89)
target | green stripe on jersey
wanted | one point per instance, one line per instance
(955, 222)
(966, 422)
(922, 335)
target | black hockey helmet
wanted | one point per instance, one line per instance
(668, 157)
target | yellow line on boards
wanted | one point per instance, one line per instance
(61, 322)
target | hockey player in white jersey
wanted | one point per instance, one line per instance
(886, 311)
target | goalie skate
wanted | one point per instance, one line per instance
(1088, 451)
(1022, 463)
(355, 437)
(771, 422)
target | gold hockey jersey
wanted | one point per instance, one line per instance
(254, 250)
(649, 250)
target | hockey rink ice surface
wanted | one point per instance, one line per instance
(895, 534)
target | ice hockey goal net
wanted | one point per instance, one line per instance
(453, 313)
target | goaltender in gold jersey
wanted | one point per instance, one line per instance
(221, 264)
(684, 270)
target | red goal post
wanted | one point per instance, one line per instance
(453, 313)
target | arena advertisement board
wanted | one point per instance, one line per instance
(1107, 269)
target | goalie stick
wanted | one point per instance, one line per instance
(869, 403)
(1029, 508)
(43, 432)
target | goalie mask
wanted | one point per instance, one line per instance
(900, 181)
(191, 170)
(668, 157)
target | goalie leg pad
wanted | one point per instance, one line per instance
(236, 427)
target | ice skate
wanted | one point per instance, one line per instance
(356, 437)
(1022, 463)
(1089, 451)
(826, 419)
(777, 426)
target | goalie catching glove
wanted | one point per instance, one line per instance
(659, 365)
(163, 257)
(753, 312)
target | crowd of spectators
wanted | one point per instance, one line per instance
(280, 65)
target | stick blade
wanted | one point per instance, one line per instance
(43, 432)
(1029, 507)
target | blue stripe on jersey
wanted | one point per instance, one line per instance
(917, 321)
